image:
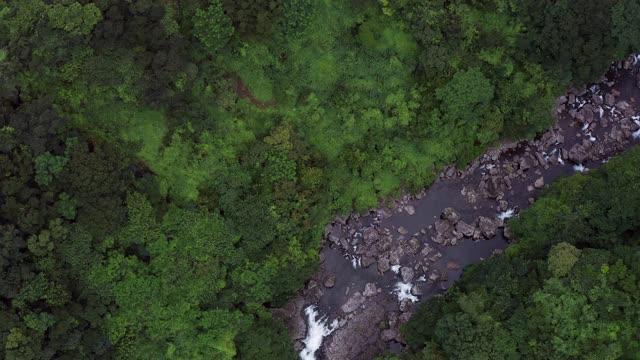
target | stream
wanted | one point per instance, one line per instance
(375, 268)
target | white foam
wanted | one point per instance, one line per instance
(403, 291)
(636, 134)
(317, 329)
(560, 161)
(422, 278)
(601, 111)
(356, 261)
(395, 268)
(585, 127)
(591, 137)
(506, 214)
(580, 168)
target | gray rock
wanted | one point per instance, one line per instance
(442, 226)
(450, 215)
(330, 281)
(407, 274)
(370, 235)
(356, 340)
(487, 226)
(414, 245)
(405, 305)
(609, 99)
(415, 290)
(540, 159)
(389, 335)
(410, 209)
(503, 205)
(353, 303)
(524, 164)
(507, 232)
(383, 265)
(578, 154)
(530, 188)
(370, 290)
(402, 230)
(539, 184)
(465, 229)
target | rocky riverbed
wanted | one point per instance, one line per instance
(376, 267)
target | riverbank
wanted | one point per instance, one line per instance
(376, 267)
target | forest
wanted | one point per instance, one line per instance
(168, 167)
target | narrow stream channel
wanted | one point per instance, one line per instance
(377, 267)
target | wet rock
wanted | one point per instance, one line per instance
(426, 250)
(597, 99)
(452, 265)
(389, 335)
(450, 215)
(487, 226)
(402, 230)
(609, 99)
(524, 164)
(370, 235)
(477, 234)
(493, 187)
(442, 226)
(530, 188)
(407, 274)
(353, 303)
(497, 252)
(531, 200)
(622, 105)
(357, 338)
(383, 265)
(414, 245)
(292, 314)
(434, 276)
(330, 281)
(435, 257)
(410, 209)
(507, 232)
(539, 184)
(370, 290)
(405, 305)
(503, 205)
(540, 159)
(507, 182)
(367, 261)
(578, 153)
(416, 291)
(465, 229)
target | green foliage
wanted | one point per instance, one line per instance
(208, 143)
(212, 27)
(76, 19)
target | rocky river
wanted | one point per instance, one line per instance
(377, 267)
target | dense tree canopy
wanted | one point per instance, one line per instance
(167, 167)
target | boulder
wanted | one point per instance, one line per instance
(539, 184)
(578, 153)
(487, 226)
(383, 265)
(450, 215)
(414, 245)
(407, 274)
(370, 235)
(410, 209)
(465, 229)
(609, 99)
(370, 290)
(330, 281)
(353, 303)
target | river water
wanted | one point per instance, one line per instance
(364, 324)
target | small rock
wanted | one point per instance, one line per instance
(531, 200)
(497, 252)
(405, 305)
(389, 335)
(435, 257)
(609, 99)
(383, 265)
(414, 244)
(330, 281)
(524, 164)
(402, 230)
(450, 215)
(539, 184)
(530, 188)
(370, 290)
(452, 265)
(415, 290)
(503, 205)
(410, 209)
(407, 274)
(507, 232)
